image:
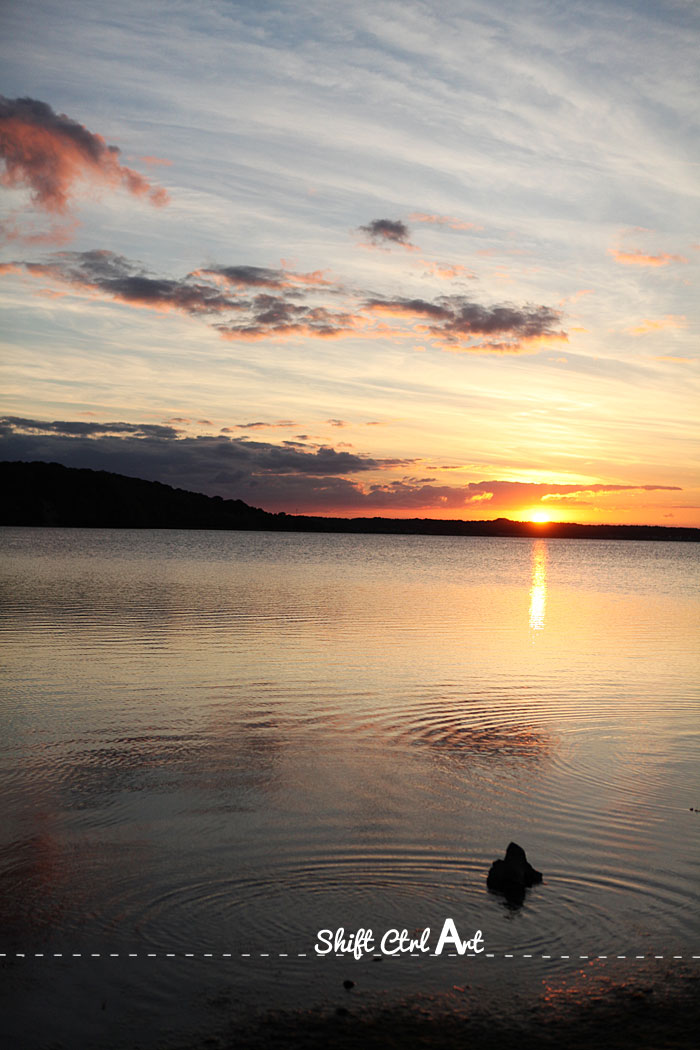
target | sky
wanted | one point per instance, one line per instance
(400, 259)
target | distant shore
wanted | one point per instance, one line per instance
(644, 1014)
(51, 495)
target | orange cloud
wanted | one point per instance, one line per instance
(523, 345)
(639, 258)
(48, 153)
(661, 324)
(576, 296)
(448, 271)
(316, 277)
(675, 360)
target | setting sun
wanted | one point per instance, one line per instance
(538, 516)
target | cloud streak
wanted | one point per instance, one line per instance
(636, 257)
(262, 277)
(79, 428)
(252, 303)
(443, 220)
(48, 153)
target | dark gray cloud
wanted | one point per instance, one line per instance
(387, 231)
(256, 317)
(79, 428)
(293, 310)
(48, 152)
(412, 307)
(460, 321)
(247, 276)
(524, 322)
(264, 277)
(118, 278)
(212, 464)
(287, 477)
(270, 316)
(259, 425)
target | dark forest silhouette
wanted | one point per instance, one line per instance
(53, 495)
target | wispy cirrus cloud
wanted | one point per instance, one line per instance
(155, 162)
(660, 324)
(57, 234)
(675, 359)
(49, 153)
(443, 220)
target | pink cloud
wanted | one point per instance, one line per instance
(48, 153)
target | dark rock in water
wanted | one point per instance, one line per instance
(514, 874)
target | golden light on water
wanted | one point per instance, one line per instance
(538, 585)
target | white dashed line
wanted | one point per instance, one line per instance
(337, 955)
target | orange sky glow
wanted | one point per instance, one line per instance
(422, 301)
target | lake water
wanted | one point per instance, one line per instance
(215, 745)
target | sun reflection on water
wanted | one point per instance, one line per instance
(538, 586)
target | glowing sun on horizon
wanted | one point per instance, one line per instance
(539, 517)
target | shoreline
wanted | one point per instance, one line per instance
(645, 1013)
(42, 494)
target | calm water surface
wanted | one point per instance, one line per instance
(224, 742)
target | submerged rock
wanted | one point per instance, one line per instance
(513, 874)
